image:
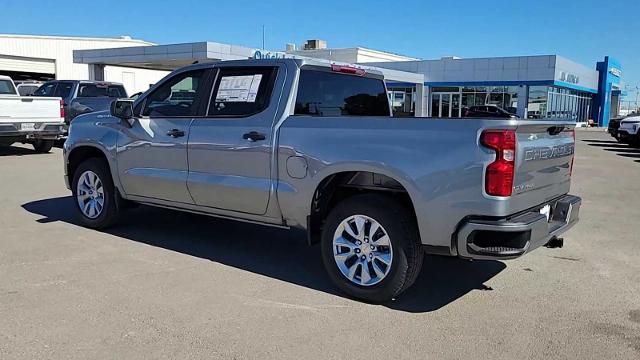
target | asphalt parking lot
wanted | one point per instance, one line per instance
(172, 285)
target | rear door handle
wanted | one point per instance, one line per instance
(175, 133)
(254, 136)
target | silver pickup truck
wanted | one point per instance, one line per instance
(299, 144)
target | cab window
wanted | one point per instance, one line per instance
(242, 91)
(324, 93)
(177, 96)
(64, 89)
(6, 88)
(45, 90)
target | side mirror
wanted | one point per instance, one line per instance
(122, 108)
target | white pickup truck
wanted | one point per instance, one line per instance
(35, 120)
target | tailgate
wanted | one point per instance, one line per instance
(544, 156)
(29, 109)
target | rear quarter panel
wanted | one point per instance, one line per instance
(439, 162)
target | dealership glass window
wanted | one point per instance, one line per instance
(435, 105)
(446, 101)
(460, 99)
(511, 99)
(468, 100)
(496, 96)
(537, 106)
(448, 89)
(505, 97)
(402, 101)
(561, 103)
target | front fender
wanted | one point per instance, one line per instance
(96, 131)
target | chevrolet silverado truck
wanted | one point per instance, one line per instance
(313, 146)
(25, 119)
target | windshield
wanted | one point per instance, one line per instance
(6, 88)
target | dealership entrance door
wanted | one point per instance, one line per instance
(445, 105)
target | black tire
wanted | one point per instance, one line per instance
(402, 230)
(635, 141)
(42, 146)
(110, 212)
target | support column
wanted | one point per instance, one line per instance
(96, 72)
(523, 101)
(421, 101)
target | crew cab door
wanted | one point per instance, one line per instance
(230, 150)
(152, 153)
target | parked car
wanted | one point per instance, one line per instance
(487, 111)
(300, 144)
(614, 125)
(37, 121)
(26, 88)
(82, 97)
(628, 131)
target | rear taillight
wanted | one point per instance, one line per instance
(61, 109)
(573, 134)
(500, 173)
(348, 70)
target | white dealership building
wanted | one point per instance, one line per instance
(32, 57)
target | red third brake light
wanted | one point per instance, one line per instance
(500, 173)
(348, 70)
(61, 109)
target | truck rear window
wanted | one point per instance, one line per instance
(324, 93)
(6, 88)
(99, 90)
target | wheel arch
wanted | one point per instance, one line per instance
(80, 153)
(337, 183)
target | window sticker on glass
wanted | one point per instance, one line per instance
(238, 88)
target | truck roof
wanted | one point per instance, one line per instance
(86, 82)
(296, 62)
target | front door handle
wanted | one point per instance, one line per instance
(253, 136)
(175, 133)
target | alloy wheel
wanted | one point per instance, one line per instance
(90, 194)
(362, 250)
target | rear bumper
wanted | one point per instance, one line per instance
(41, 131)
(513, 237)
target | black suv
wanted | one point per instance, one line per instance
(614, 125)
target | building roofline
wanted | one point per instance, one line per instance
(386, 52)
(64, 37)
(409, 58)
